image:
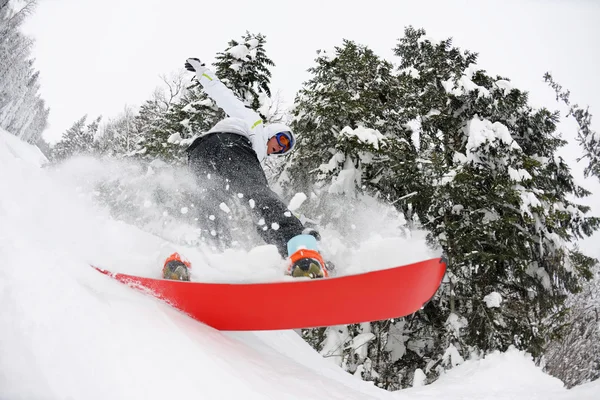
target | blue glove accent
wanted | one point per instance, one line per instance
(301, 242)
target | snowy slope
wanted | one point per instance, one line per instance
(68, 332)
(19, 150)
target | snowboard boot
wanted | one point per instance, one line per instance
(305, 259)
(176, 269)
(307, 263)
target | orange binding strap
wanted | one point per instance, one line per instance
(307, 253)
(176, 257)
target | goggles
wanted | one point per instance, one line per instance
(285, 140)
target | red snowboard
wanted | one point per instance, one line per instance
(372, 296)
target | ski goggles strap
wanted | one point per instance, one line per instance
(285, 140)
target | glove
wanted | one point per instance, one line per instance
(312, 232)
(193, 64)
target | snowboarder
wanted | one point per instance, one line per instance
(227, 161)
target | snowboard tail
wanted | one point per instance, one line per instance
(371, 296)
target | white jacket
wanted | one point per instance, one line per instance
(242, 121)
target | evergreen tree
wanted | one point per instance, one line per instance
(160, 123)
(353, 141)
(574, 357)
(500, 206)
(587, 138)
(485, 180)
(44, 147)
(119, 136)
(244, 68)
(170, 127)
(171, 132)
(22, 111)
(77, 140)
(343, 118)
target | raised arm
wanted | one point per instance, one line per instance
(221, 94)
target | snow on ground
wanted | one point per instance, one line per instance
(510, 375)
(68, 332)
(20, 151)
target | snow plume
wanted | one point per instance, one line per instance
(164, 200)
(297, 201)
(157, 198)
(354, 229)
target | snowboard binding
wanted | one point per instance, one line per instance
(307, 263)
(305, 259)
(176, 269)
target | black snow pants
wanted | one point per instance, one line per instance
(227, 167)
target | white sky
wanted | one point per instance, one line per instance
(96, 56)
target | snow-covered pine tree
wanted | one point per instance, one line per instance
(486, 181)
(353, 142)
(500, 206)
(245, 68)
(172, 126)
(587, 138)
(574, 357)
(153, 139)
(161, 124)
(118, 136)
(343, 117)
(22, 111)
(77, 140)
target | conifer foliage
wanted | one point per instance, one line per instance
(161, 125)
(488, 186)
(575, 356)
(245, 68)
(343, 117)
(22, 111)
(79, 139)
(587, 138)
(500, 207)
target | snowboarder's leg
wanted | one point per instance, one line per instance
(230, 158)
(275, 223)
(305, 259)
(204, 161)
(245, 180)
